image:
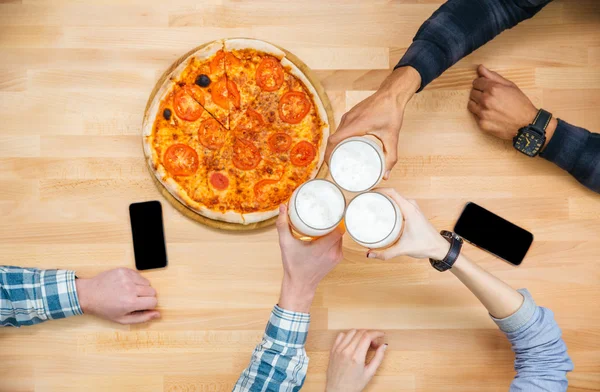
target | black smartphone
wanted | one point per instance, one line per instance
(494, 234)
(148, 235)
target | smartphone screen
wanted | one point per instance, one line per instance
(148, 235)
(494, 234)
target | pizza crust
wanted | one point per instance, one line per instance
(204, 53)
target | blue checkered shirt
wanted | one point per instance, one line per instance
(30, 296)
(279, 363)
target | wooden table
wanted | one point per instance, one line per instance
(75, 78)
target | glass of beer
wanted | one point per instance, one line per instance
(315, 209)
(357, 164)
(374, 220)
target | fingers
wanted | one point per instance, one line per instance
(496, 77)
(144, 303)
(394, 195)
(346, 340)
(476, 96)
(372, 367)
(338, 340)
(330, 239)
(283, 225)
(483, 84)
(474, 107)
(145, 291)
(138, 279)
(367, 339)
(139, 317)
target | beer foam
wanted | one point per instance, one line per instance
(356, 166)
(370, 217)
(320, 204)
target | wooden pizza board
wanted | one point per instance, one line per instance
(322, 173)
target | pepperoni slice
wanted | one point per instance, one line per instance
(225, 91)
(188, 103)
(280, 142)
(293, 107)
(245, 155)
(269, 74)
(219, 181)
(215, 63)
(302, 153)
(250, 124)
(210, 134)
(259, 190)
(181, 160)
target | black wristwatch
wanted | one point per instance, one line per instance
(455, 247)
(530, 139)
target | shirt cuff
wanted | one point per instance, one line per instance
(566, 145)
(287, 328)
(521, 317)
(59, 293)
(427, 58)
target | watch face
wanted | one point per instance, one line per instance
(529, 141)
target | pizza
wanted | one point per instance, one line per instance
(234, 129)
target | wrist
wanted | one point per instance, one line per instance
(296, 297)
(82, 286)
(439, 248)
(403, 83)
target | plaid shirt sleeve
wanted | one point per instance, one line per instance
(30, 296)
(279, 363)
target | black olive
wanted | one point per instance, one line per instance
(202, 80)
(167, 114)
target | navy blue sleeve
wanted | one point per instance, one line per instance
(577, 151)
(459, 27)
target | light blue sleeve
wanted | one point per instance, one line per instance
(541, 358)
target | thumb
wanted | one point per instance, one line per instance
(494, 76)
(377, 360)
(383, 254)
(140, 317)
(283, 225)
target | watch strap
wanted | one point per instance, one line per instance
(455, 246)
(541, 120)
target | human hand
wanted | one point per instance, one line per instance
(380, 115)
(348, 370)
(500, 106)
(121, 295)
(419, 239)
(304, 263)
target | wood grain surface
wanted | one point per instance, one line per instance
(74, 81)
(222, 225)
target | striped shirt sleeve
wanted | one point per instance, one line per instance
(279, 362)
(30, 296)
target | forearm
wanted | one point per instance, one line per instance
(31, 296)
(499, 298)
(575, 150)
(280, 362)
(458, 28)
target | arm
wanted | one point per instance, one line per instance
(279, 362)
(458, 28)
(541, 355)
(541, 361)
(501, 109)
(30, 296)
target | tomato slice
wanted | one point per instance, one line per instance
(219, 181)
(302, 153)
(293, 107)
(234, 94)
(251, 123)
(269, 74)
(210, 134)
(259, 187)
(215, 64)
(280, 142)
(231, 61)
(225, 91)
(181, 160)
(188, 103)
(245, 155)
